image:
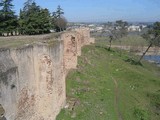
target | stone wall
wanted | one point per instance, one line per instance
(73, 42)
(32, 82)
(32, 78)
(85, 33)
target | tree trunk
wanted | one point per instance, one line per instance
(145, 53)
(16, 33)
(60, 29)
(120, 48)
(110, 43)
(11, 33)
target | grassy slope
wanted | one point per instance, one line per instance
(105, 87)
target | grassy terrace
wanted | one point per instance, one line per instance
(135, 43)
(16, 41)
(106, 87)
(130, 40)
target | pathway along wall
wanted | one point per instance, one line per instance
(32, 78)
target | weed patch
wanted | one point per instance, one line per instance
(141, 114)
(133, 62)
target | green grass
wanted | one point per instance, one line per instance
(18, 41)
(130, 40)
(106, 87)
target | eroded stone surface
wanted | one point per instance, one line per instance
(32, 79)
(70, 50)
(73, 41)
(85, 33)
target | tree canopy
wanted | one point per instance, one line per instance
(8, 18)
(32, 19)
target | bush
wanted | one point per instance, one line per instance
(141, 114)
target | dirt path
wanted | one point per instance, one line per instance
(116, 100)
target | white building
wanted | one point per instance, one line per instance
(99, 29)
(134, 28)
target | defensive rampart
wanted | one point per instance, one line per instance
(32, 78)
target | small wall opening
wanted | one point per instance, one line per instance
(73, 45)
(73, 40)
(2, 111)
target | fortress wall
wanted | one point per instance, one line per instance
(32, 78)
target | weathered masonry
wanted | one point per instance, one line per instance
(32, 78)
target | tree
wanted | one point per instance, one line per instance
(27, 5)
(45, 21)
(28, 18)
(21, 22)
(112, 36)
(153, 38)
(109, 31)
(60, 24)
(120, 30)
(59, 20)
(34, 20)
(121, 27)
(59, 12)
(110, 41)
(8, 18)
(107, 25)
(1, 24)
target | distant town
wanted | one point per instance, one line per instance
(106, 27)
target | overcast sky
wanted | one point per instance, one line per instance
(102, 10)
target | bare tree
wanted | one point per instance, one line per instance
(153, 38)
(61, 23)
